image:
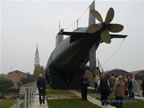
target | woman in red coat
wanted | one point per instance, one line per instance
(126, 85)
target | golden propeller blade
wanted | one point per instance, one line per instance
(109, 16)
(93, 28)
(105, 36)
(97, 15)
(115, 27)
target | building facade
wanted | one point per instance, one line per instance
(15, 76)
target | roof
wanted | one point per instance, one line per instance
(3, 75)
(135, 72)
(16, 71)
(116, 72)
(112, 70)
(139, 75)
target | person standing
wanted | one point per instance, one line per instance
(135, 85)
(143, 87)
(119, 91)
(130, 86)
(104, 89)
(84, 85)
(126, 85)
(96, 80)
(112, 81)
(41, 85)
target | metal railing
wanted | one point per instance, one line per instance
(29, 94)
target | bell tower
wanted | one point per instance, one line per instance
(37, 59)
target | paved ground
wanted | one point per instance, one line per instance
(36, 103)
(95, 95)
(139, 97)
(92, 100)
(61, 96)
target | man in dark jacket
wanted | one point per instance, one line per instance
(84, 85)
(143, 87)
(130, 87)
(104, 89)
(41, 84)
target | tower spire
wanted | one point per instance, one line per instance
(37, 52)
(37, 59)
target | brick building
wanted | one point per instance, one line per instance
(15, 76)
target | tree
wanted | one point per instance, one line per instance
(38, 70)
(28, 79)
(5, 84)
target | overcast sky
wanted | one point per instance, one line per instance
(25, 23)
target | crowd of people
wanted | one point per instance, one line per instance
(113, 86)
(120, 86)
